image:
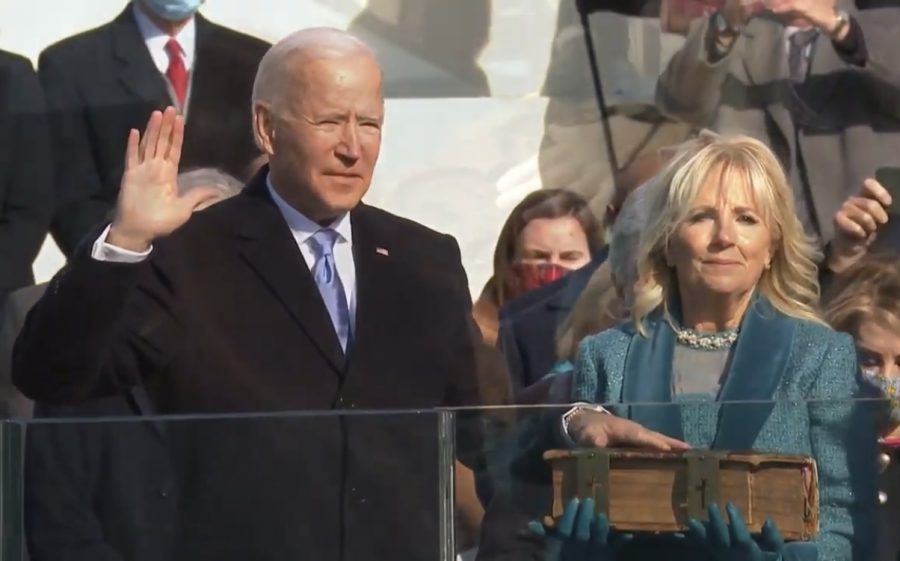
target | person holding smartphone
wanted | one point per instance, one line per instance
(816, 80)
(864, 224)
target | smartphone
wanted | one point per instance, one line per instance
(888, 238)
(889, 177)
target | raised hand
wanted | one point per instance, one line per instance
(580, 535)
(149, 205)
(856, 224)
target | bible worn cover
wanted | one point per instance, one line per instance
(641, 491)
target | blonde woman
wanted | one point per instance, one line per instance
(724, 312)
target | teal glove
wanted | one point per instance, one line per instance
(734, 542)
(580, 535)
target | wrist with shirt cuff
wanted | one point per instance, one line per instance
(578, 407)
(103, 251)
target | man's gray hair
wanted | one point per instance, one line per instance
(274, 73)
(209, 177)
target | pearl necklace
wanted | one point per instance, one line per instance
(706, 341)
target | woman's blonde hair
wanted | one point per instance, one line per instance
(870, 290)
(790, 283)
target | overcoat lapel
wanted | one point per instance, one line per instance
(269, 248)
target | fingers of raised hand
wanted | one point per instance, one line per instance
(163, 137)
(873, 208)
(151, 135)
(132, 149)
(164, 140)
(875, 190)
(854, 222)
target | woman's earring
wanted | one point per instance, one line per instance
(768, 265)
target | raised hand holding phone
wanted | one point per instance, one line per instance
(858, 223)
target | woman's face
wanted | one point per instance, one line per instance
(723, 246)
(554, 241)
(878, 348)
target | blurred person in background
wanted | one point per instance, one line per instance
(816, 80)
(13, 405)
(26, 188)
(546, 236)
(603, 304)
(103, 82)
(531, 323)
(864, 301)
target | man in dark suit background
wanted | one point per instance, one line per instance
(103, 82)
(292, 296)
(26, 190)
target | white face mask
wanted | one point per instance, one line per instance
(888, 388)
(173, 10)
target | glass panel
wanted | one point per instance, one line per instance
(387, 485)
(756, 455)
(320, 486)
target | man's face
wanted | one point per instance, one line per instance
(327, 136)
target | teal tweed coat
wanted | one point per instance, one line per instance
(789, 389)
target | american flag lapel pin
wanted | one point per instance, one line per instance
(382, 251)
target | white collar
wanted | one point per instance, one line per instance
(302, 227)
(156, 38)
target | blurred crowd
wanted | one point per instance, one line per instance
(205, 188)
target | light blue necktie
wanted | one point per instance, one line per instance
(329, 283)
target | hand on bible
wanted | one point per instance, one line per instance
(600, 430)
(149, 204)
(733, 542)
(580, 535)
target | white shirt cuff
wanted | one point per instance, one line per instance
(102, 251)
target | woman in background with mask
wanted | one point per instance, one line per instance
(864, 301)
(551, 233)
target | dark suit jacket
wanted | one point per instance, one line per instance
(529, 323)
(13, 405)
(102, 83)
(99, 490)
(26, 190)
(224, 317)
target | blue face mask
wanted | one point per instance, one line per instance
(173, 10)
(888, 388)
